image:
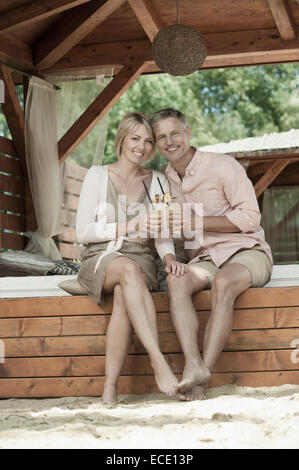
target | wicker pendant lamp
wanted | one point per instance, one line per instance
(179, 49)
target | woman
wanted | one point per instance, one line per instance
(118, 259)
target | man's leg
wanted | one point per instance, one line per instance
(228, 283)
(186, 324)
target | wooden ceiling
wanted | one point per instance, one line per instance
(74, 34)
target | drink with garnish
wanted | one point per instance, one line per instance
(173, 213)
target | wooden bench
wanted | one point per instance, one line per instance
(55, 346)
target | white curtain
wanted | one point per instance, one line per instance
(77, 90)
(52, 106)
(280, 221)
(45, 173)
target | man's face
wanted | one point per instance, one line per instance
(172, 140)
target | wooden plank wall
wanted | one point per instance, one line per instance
(74, 176)
(12, 197)
(16, 208)
(55, 346)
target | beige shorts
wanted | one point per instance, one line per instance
(255, 259)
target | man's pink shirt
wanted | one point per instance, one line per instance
(221, 184)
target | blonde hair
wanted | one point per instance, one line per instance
(127, 126)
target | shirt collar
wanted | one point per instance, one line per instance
(190, 170)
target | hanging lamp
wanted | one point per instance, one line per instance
(179, 49)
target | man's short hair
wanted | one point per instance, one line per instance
(169, 113)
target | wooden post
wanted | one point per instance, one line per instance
(14, 116)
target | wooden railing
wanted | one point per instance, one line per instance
(17, 211)
(68, 246)
(12, 198)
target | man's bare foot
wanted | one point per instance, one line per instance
(109, 394)
(196, 393)
(166, 380)
(194, 375)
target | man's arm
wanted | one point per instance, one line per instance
(245, 214)
(218, 224)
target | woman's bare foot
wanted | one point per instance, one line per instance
(194, 374)
(196, 393)
(109, 394)
(166, 380)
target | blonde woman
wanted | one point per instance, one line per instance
(117, 258)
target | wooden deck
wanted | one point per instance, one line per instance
(55, 347)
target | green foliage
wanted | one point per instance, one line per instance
(220, 105)
(4, 131)
(80, 94)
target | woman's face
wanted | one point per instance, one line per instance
(138, 145)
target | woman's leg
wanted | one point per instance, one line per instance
(118, 340)
(141, 312)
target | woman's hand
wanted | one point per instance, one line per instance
(172, 266)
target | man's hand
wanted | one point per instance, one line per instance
(144, 226)
(172, 266)
(181, 220)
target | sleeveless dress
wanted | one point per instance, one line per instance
(93, 270)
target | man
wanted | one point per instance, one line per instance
(233, 255)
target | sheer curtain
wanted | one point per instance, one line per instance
(50, 112)
(280, 221)
(78, 89)
(45, 173)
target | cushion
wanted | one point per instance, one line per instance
(63, 267)
(22, 263)
(73, 287)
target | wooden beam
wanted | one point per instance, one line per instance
(34, 11)
(7, 147)
(283, 18)
(14, 116)
(16, 53)
(98, 109)
(287, 218)
(224, 50)
(147, 16)
(71, 29)
(289, 177)
(257, 156)
(270, 176)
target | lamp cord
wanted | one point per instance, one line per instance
(178, 13)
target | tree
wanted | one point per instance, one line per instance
(220, 105)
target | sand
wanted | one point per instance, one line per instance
(232, 417)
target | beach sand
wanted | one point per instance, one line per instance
(232, 417)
